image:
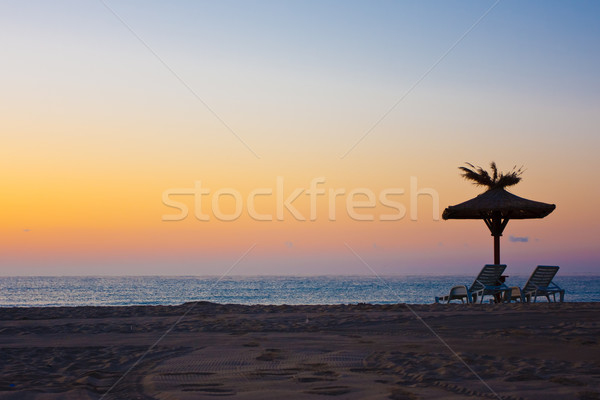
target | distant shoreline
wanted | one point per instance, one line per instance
(257, 308)
(132, 291)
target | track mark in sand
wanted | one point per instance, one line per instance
(278, 373)
(343, 359)
(314, 365)
(180, 379)
(271, 355)
(402, 394)
(470, 392)
(325, 373)
(213, 389)
(329, 390)
(187, 374)
(207, 361)
(526, 376)
(562, 380)
(312, 379)
(203, 371)
(202, 385)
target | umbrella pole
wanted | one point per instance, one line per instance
(496, 225)
(496, 249)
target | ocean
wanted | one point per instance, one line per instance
(173, 290)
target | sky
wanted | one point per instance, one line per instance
(186, 138)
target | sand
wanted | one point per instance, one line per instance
(520, 351)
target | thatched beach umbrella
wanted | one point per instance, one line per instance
(496, 206)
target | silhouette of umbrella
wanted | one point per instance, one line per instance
(496, 207)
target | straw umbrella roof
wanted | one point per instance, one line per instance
(496, 206)
(498, 200)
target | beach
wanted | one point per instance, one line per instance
(362, 351)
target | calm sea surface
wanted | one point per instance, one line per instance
(105, 291)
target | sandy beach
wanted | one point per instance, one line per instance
(520, 351)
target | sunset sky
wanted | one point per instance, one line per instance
(105, 106)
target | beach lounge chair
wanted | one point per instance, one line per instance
(539, 284)
(486, 283)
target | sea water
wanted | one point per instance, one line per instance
(172, 290)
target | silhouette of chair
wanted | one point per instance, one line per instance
(539, 284)
(486, 283)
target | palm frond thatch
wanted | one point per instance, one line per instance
(481, 177)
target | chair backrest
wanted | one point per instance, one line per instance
(488, 276)
(541, 277)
